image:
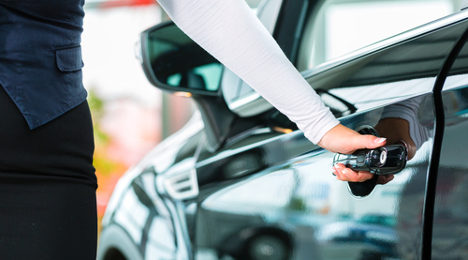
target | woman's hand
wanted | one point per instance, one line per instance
(341, 139)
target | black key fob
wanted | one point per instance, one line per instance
(389, 159)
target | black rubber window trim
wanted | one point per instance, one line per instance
(438, 139)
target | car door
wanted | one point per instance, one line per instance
(271, 195)
(450, 185)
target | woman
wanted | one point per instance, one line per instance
(47, 181)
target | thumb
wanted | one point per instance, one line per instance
(344, 140)
(369, 142)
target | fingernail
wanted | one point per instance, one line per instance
(380, 140)
(345, 172)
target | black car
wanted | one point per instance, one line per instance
(239, 181)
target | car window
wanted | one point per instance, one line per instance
(339, 27)
(400, 70)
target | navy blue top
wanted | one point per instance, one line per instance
(40, 56)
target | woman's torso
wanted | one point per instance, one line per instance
(40, 56)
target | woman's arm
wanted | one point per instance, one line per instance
(230, 31)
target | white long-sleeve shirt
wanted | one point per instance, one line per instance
(231, 32)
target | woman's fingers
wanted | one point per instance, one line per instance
(344, 140)
(343, 173)
(346, 174)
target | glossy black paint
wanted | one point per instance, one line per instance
(266, 194)
(297, 195)
(179, 57)
(450, 221)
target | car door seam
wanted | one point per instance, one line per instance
(438, 139)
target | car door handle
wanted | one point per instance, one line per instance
(385, 160)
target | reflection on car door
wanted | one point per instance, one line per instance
(451, 189)
(272, 196)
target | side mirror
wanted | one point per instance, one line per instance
(173, 62)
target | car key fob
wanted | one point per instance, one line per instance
(389, 159)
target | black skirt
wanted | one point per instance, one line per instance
(47, 186)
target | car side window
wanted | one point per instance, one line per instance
(400, 70)
(340, 27)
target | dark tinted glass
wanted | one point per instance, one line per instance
(179, 62)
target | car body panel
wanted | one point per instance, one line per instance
(140, 211)
(450, 223)
(301, 198)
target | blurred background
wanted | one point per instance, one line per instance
(126, 109)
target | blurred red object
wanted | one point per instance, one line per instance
(120, 3)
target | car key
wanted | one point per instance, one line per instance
(385, 160)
